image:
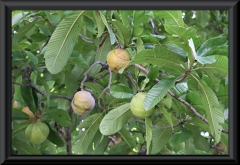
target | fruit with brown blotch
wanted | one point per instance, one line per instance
(137, 107)
(83, 102)
(37, 132)
(117, 59)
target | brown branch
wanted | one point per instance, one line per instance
(179, 99)
(101, 42)
(68, 137)
(113, 140)
(108, 87)
(51, 95)
(43, 47)
(85, 39)
(86, 73)
(151, 22)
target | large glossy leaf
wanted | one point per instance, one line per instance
(62, 42)
(121, 91)
(110, 31)
(55, 138)
(220, 67)
(24, 148)
(189, 146)
(180, 31)
(100, 24)
(127, 137)
(203, 17)
(214, 111)
(115, 119)
(123, 31)
(180, 137)
(120, 149)
(27, 96)
(22, 32)
(91, 125)
(95, 87)
(171, 17)
(19, 127)
(126, 17)
(167, 115)
(17, 15)
(17, 114)
(211, 44)
(157, 92)
(160, 139)
(58, 115)
(148, 124)
(162, 57)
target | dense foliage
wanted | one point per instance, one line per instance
(178, 58)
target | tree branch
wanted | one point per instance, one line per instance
(43, 47)
(84, 39)
(68, 137)
(51, 95)
(179, 99)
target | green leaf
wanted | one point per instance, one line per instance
(19, 127)
(95, 87)
(139, 17)
(27, 96)
(203, 17)
(44, 29)
(210, 44)
(157, 92)
(38, 37)
(24, 148)
(160, 139)
(189, 146)
(112, 36)
(140, 45)
(211, 105)
(100, 24)
(220, 67)
(148, 124)
(162, 57)
(123, 31)
(115, 119)
(205, 60)
(22, 32)
(62, 42)
(32, 57)
(58, 115)
(180, 31)
(121, 91)
(167, 102)
(91, 125)
(120, 149)
(180, 137)
(17, 114)
(167, 115)
(128, 138)
(17, 15)
(126, 14)
(102, 146)
(53, 18)
(176, 49)
(79, 61)
(54, 137)
(171, 17)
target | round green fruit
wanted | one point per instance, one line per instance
(137, 107)
(37, 132)
(83, 102)
(117, 59)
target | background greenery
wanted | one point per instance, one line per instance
(179, 57)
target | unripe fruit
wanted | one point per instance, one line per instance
(137, 107)
(83, 102)
(117, 59)
(37, 132)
